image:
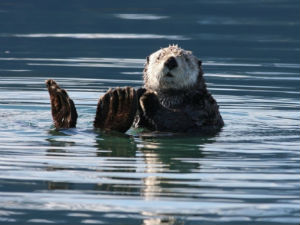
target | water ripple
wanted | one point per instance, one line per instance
(99, 36)
(140, 16)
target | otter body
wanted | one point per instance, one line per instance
(191, 111)
(174, 98)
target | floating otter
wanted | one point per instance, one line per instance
(174, 99)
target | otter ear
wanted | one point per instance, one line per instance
(199, 63)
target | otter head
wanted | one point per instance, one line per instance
(172, 68)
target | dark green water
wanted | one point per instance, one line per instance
(247, 174)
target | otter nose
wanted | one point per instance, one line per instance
(171, 63)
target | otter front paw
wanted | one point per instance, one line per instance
(116, 109)
(63, 109)
(149, 104)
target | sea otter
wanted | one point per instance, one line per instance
(174, 99)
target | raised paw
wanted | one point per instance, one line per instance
(63, 110)
(116, 109)
(149, 104)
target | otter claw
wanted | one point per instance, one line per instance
(116, 109)
(63, 109)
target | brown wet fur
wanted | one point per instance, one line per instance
(116, 109)
(63, 109)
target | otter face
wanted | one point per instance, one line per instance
(171, 68)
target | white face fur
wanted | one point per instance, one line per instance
(159, 76)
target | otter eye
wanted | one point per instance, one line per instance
(147, 59)
(199, 62)
(159, 56)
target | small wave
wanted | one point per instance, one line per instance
(100, 36)
(4, 70)
(140, 16)
(243, 21)
(261, 76)
(82, 62)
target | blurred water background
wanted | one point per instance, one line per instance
(247, 174)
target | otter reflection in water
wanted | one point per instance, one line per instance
(174, 99)
(151, 156)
